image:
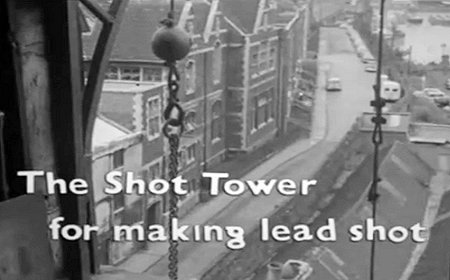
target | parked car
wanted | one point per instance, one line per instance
(296, 269)
(433, 92)
(371, 68)
(333, 84)
(368, 59)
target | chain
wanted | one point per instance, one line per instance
(172, 129)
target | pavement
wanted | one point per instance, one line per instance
(298, 161)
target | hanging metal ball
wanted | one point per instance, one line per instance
(171, 43)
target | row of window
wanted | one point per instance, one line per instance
(134, 73)
(155, 74)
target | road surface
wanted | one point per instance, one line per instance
(337, 59)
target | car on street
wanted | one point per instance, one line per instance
(371, 68)
(368, 59)
(433, 92)
(333, 84)
(296, 270)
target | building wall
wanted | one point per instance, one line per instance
(109, 211)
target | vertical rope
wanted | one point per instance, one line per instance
(377, 137)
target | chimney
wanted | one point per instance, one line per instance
(274, 271)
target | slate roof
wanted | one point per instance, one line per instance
(141, 20)
(403, 200)
(241, 12)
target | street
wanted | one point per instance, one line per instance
(334, 114)
(337, 54)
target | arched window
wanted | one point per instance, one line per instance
(217, 62)
(216, 121)
(190, 77)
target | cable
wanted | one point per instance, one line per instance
(377, 136)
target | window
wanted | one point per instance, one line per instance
(154, 171)
(265, 21)
(112, 73)
(118, 159)
(255, 113)
(190, 28)
(272, 57)
(254, 63)
(263, 56)
(130, 73)
(190, 77)
(190, 123)
(216, 121)
(217, 64)
(153, 118)
(263, 109)
(190, 154)
(152, 74)
(217, 24)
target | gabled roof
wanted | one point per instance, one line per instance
(141, 20)
(242, 13)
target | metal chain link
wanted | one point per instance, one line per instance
(172, 129)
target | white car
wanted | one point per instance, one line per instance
(371, 68)
(433, 92)
(333, 84)
(296, 270)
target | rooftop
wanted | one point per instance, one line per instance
(106, 131)
(429, 133)
(141, 20)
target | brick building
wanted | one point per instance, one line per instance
(234, 86)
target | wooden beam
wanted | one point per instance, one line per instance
(98, 11)
(63, 38)
(99, 64)
(91, 98)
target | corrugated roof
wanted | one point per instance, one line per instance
(142, 19)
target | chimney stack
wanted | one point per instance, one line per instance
(274, 271)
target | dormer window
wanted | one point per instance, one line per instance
(265, 21)
(190, 28)
(217, 64)
(217, 24)
(190, 77)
